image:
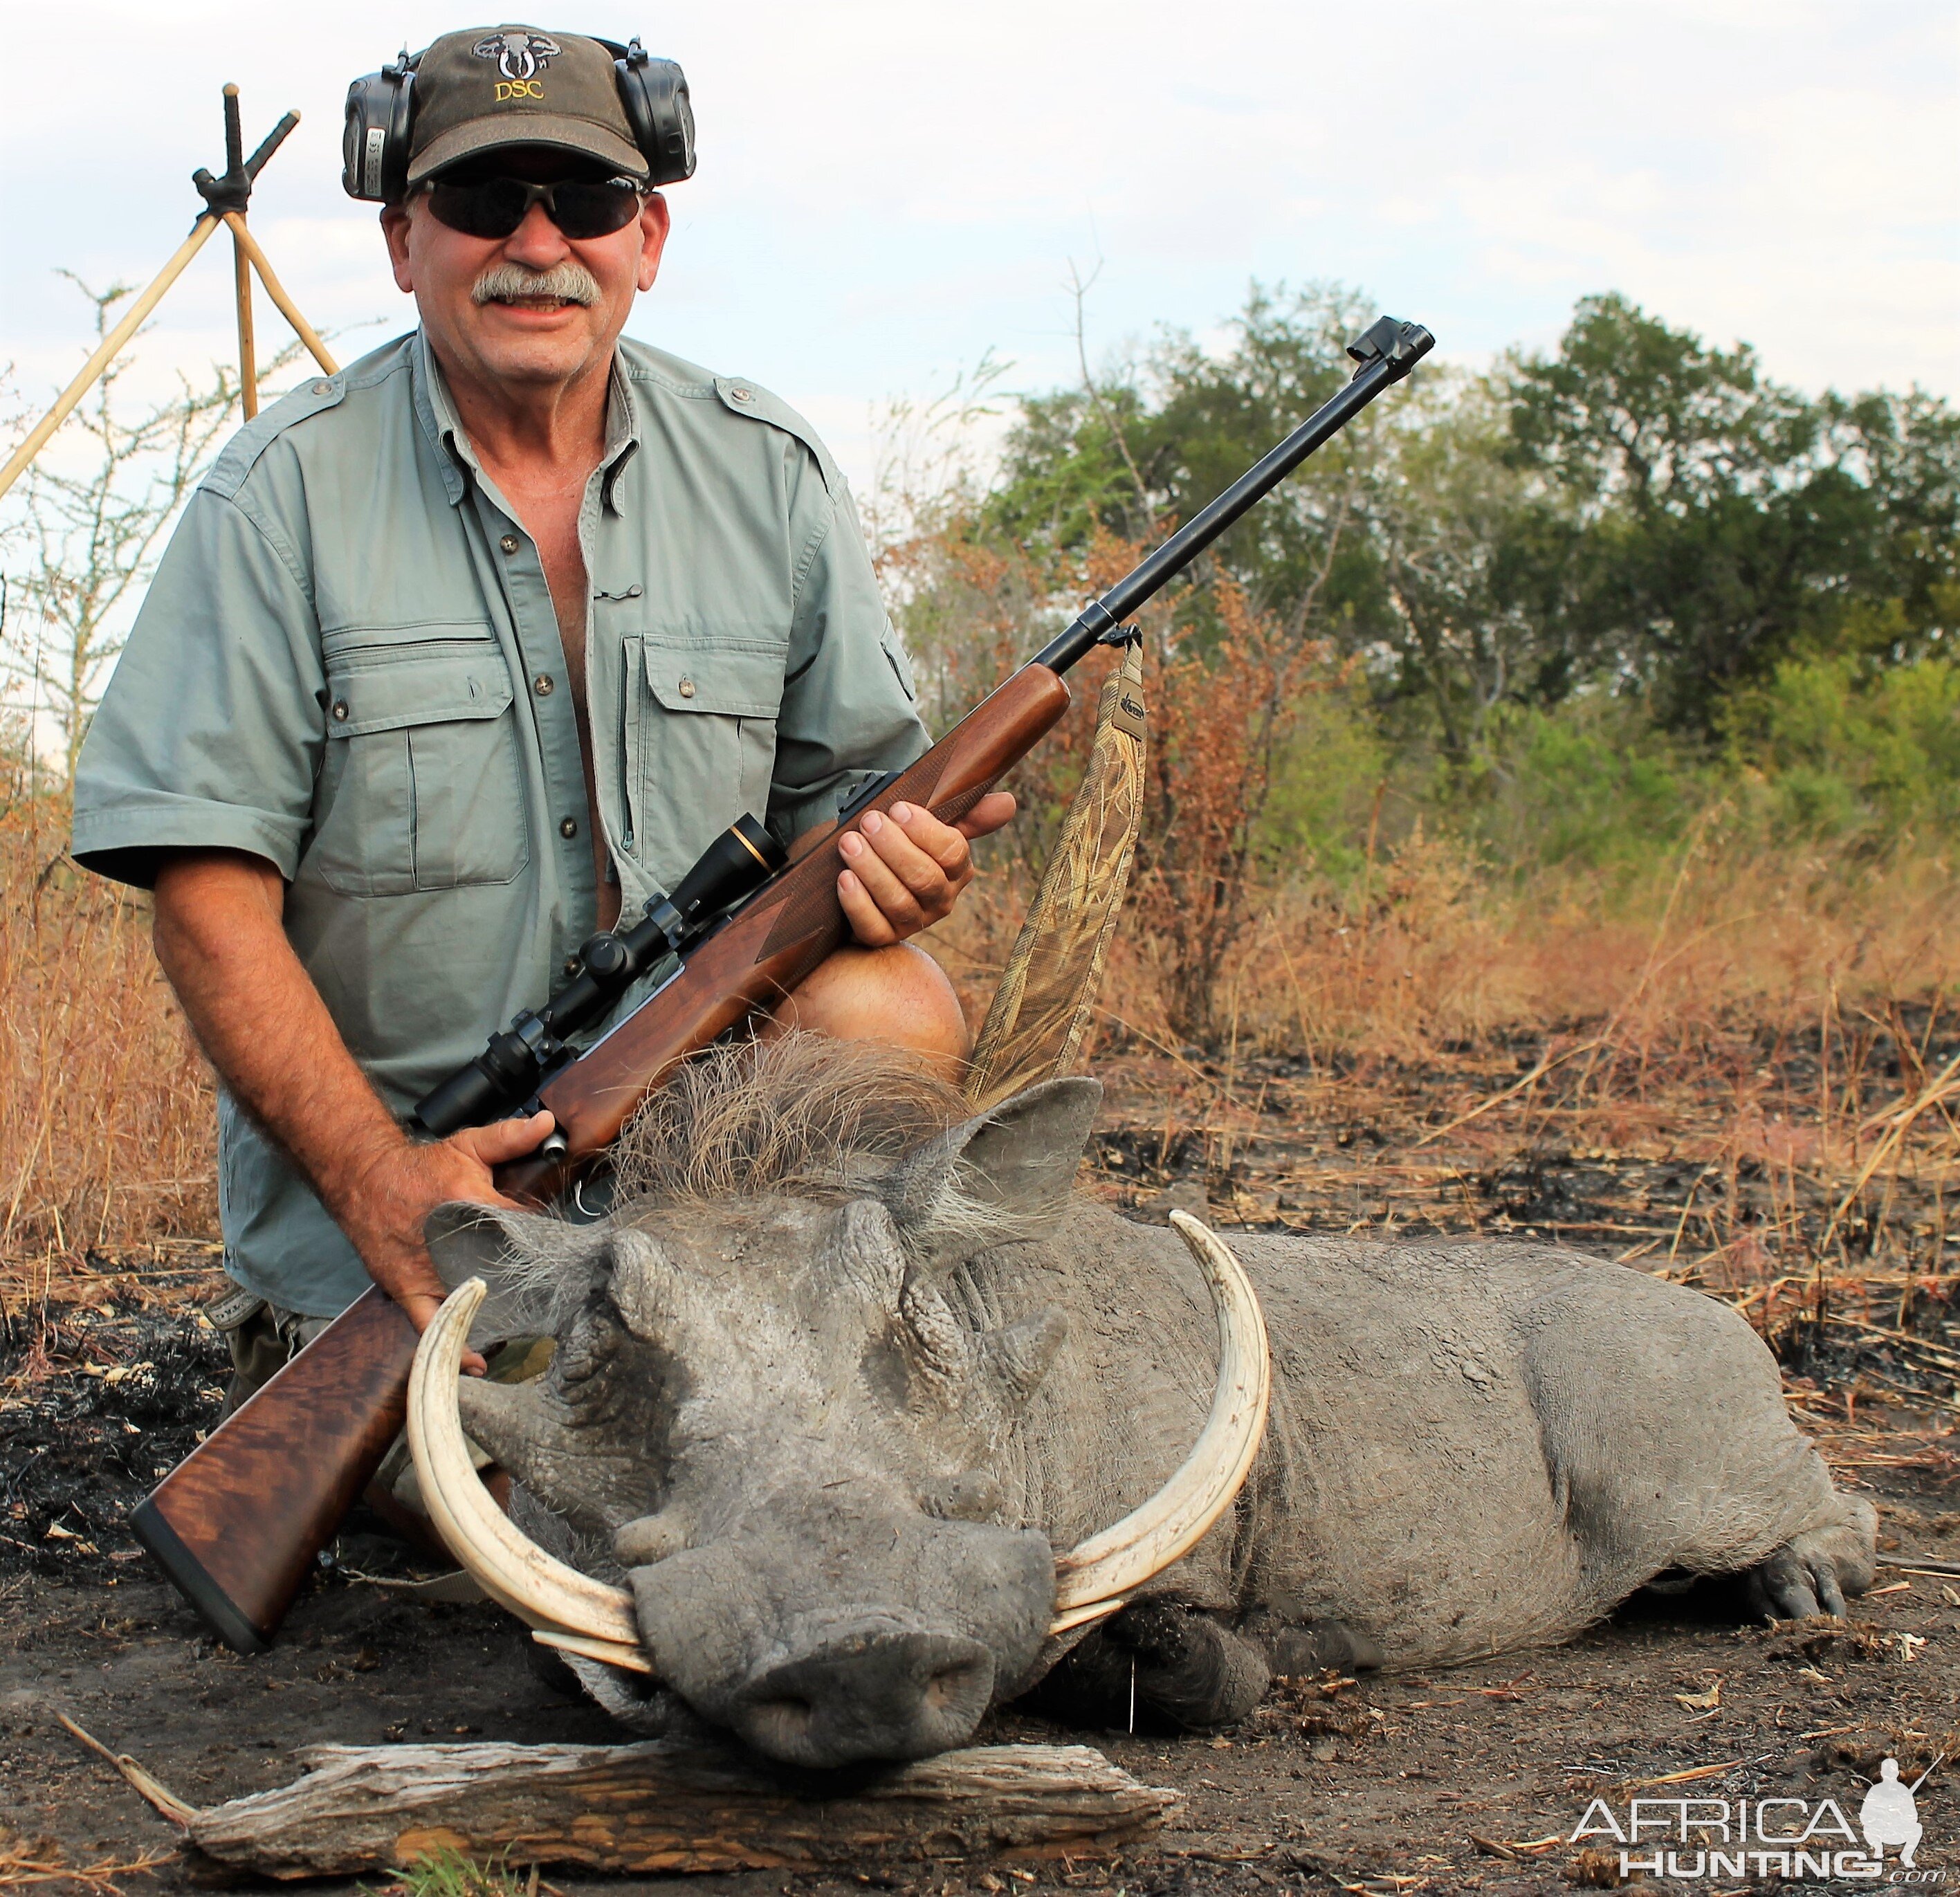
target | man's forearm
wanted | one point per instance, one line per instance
(261, 1021)
(258, 1015)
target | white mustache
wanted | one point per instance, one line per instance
(569, 281)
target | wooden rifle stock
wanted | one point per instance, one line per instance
(237, 1524)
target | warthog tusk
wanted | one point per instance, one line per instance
(631, 1659)
(509, 1566)
(1175, 1519)
(1081, 1616)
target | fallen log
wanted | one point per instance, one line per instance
(662, 1805)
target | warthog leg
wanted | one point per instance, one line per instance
(1812, 1572)
(1161, 1661)
(1297, 1648)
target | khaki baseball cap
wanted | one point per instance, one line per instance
(515, 85)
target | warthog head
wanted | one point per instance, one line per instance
(774, 1409)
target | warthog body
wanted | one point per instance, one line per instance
(831, 1427)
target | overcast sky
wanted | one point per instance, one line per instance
(888, 190)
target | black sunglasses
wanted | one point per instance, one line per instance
(494, 207)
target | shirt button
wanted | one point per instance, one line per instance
(323, 388)
(742, 394)
(569, 827)
(687, 688)
(509, 543)
(340, 709)
(543, 685)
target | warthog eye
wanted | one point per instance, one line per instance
(974, 1496)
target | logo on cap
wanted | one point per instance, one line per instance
(519, 55)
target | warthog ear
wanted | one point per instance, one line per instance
(1018, 1161)
(528, 1262)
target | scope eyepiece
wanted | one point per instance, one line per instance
(518, 1059)
(742, 858)
(508, 1069)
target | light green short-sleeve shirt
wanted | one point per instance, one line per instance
(348, 664)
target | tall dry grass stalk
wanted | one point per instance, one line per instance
(107, 1134)
(1426, 954)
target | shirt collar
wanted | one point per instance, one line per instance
(461, 469)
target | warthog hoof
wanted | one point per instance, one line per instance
(1812, 1572)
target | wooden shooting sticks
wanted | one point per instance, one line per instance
(225, 198)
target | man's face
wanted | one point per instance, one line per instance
(554, 306)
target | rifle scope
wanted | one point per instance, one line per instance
(519, 1059)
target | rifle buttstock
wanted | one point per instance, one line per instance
(238, 1522)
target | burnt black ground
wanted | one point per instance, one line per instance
(1382, 1784)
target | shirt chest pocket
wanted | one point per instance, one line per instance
(700, 744)
(422, 787)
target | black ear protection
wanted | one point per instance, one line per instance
(374, 146)
(381, 108)
(655, 94)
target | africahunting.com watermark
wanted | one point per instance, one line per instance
(1792, 1837)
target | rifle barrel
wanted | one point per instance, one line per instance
(1154, 573)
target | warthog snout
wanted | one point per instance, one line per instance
(874, 1689)
(825, 1632)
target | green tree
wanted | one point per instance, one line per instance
(1713, 522)
(1461, 542)
(1131, 452)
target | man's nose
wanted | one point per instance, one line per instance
(537, 241)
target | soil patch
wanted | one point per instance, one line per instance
(1472, 1779)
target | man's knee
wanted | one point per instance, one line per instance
(898, 995)
(262, 1340)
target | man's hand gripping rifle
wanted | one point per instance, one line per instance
(236, 1525)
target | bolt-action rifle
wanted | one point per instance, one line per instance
(238, 1522)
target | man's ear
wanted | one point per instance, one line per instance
(395, 232)
(1020, 1157)
(656, 221)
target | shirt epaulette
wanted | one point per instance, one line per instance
(740, 397)
(316, 396)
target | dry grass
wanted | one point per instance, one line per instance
(1775, 1036)
(1777, 1027)
(43, 1864)
(107, 1140)
(1427, 955)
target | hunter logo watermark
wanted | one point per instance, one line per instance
(1890, 1813)
(1691, 1838)
(520, 56)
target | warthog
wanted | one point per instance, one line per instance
(836, 1379)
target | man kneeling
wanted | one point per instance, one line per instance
(460, 652)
